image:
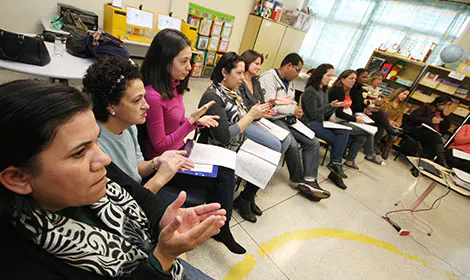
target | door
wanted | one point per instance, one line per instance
(291, 43)
(267, 43)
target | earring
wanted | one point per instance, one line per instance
(113, 113)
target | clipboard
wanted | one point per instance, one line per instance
(202, 172)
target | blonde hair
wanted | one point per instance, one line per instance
(374, 75)
(394, 95)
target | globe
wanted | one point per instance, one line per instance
(452, 53)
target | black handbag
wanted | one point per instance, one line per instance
(25, 49)
(77, 45)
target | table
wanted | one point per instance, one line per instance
(62, 68)
(136, 49)
(446, 181)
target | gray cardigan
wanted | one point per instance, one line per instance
(315, 105)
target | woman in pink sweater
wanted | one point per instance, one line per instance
(165, 73)
(462, 143)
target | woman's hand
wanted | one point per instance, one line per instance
(359, 120)
(184, 229)
(194, 117)
(437, 120)
(336, 103)
(188, 164)
(299, 112)
(259, 110)
(281, 101)
(208, 121)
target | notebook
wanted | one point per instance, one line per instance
(200, 169)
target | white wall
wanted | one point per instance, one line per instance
(23, 15)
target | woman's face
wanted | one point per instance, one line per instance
(403, 95)
(361, 79)
(181, 64)
(349, 81)
(254, 67)
(71, 170)
(132, 109)
(376, 82)
(235, 78)
(444, 106)
(327, 77)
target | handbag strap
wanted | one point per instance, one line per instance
(20, 42)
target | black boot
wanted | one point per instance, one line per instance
(337, 168)
(337, 181)
(226, 237)
(255, 209)
(244, 209)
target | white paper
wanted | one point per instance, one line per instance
(464, 176)
(139, 18)
(261, 151)
(365, 118)
(459, 154)
(366, 127)
(430, 128)
(279, 132)
(302, 128)
(256, 163)
(165, 21)
(456, 75)
(116, 3)
(210, 154)
(333, 125)
(206, 168)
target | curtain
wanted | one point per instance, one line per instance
(346, 32)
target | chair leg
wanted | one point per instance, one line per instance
(324, 156)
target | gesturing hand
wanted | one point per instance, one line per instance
(183, 229)
(200, 112)
(187, 164)
(359, 120)
(259, 110)
(208, 121)
(281, 101)
(336, 103)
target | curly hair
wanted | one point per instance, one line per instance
(106, 81)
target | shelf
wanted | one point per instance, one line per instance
(401, 58)
(461, 112)
(421, 97)
(395, 82)
(451, 95)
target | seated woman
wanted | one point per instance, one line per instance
(118, 104)
(62, 217)
(461, 143)
(366, 98)
(165, 73)
(360, 138)
(435, 116)
(395, 108)
(316, 109)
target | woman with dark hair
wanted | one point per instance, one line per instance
(118, 104)
(317, 108)
(435, 115)
(61, 214)
(360, 138)
(165, 70)
(394, 107)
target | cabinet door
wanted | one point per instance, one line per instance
(251, 31)
(267, 43)
(291, 43)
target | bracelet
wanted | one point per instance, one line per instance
(152, 164)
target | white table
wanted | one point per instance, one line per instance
(136, 49)
(63, 68)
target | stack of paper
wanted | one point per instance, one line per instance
(256, 163)
(210, 154)
(366, 127)
(365, 117)
(302, 128)
(333, 125)
(279, 132)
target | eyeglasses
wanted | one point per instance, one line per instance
(297, 69)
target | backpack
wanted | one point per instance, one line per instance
(101, 44)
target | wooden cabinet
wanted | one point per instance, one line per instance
(436, 81)
(272, 39)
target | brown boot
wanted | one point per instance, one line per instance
(387, 148)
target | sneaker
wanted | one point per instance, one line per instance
(336, 168)
(311, 190)
(374, 159)
(352, 164)
(337, 180)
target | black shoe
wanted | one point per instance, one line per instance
(311, 190)
(337, 168)
(414, 171)
(226, 237)
(244, 209)
(337, 181)
(255, 209)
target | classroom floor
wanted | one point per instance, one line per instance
(345, 236)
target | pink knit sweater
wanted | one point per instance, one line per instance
(166, 124)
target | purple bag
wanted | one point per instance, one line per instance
(101, 44)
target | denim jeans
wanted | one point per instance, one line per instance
(263, 137)
(360, 138)
(308, 166)
(336, 138)
(193, 273)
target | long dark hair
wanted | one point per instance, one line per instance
(228, 61)
(156, 68)
(32, 112)
(440, 100)
(106, 81)
(317, 75)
